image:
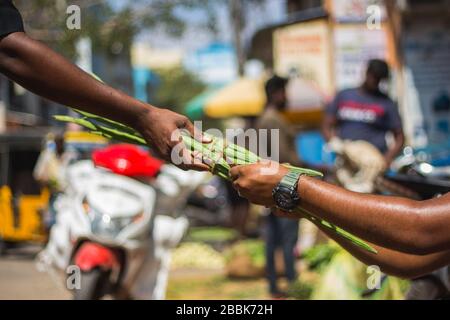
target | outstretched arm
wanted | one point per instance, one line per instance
(416, 227)
(46, 73)
(392, 262)
(396, 223)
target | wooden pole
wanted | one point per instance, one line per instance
(236, 19)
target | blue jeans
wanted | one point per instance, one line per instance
(280, 232)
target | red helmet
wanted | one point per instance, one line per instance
(127, 160)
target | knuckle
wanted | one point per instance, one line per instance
(244, 185)
(183, 120)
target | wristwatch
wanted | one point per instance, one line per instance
(285, 193)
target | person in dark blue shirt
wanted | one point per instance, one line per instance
(366, 113)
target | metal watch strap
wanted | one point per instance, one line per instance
(291, 179)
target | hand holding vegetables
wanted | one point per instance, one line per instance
(159, 135)
(218, 155)
(255, 186)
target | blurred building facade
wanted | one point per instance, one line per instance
(214, 64)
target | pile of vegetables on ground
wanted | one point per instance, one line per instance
(319, 256)
(245, 259)
(211, 234)
(195, 255)
(345, 278)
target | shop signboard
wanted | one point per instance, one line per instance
(303, 49)
(354, 45)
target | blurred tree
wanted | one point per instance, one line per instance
(238, 10)
(179, 86)
(110, 27)
(237, 19)
(237, 13)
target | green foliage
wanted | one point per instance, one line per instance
(300, 290)
(211, 234)
(252, 248)
(176, 87)
(391, 289)
(320, 255)
(343, 278)
(111, 29)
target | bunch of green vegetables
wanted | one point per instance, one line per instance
(319, 256)
(252, 248)
(219, 155)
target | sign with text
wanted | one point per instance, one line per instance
(303, 49)
(354, 46)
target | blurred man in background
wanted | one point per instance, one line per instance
(355, 125)
(280, 231)
(366, 113)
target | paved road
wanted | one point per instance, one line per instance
(19, 278)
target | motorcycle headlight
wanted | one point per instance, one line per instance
(105, 225)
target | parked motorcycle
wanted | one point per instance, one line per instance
(108, 237)
(414, 176)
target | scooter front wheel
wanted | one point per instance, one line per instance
(92, 285)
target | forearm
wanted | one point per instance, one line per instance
(393, 262)
(44, 72)
(328, 130)
(395, 223)
(396, 148)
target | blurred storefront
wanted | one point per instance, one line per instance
(422, 29)
(22, 118)
(215, 64)
(327, 43)
(145, 60)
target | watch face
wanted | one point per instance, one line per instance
(284, 198)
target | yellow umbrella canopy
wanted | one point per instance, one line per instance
(244, 97)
